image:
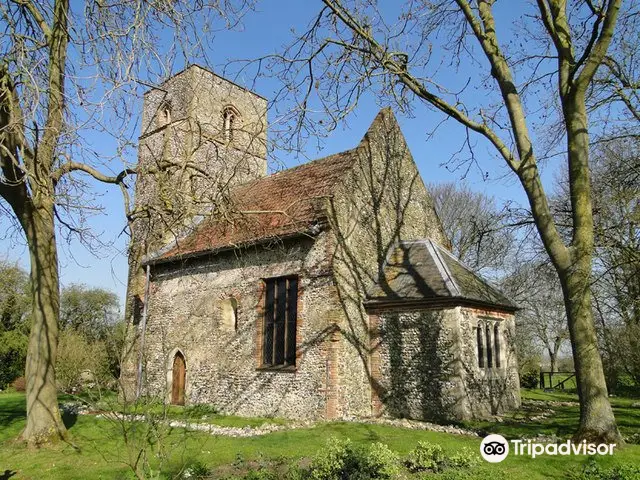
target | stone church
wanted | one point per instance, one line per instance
(323, 291)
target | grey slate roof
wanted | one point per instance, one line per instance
(423, 273)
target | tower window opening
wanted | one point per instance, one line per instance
(229, 116)
(164, 115)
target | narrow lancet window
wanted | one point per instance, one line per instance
(496, 339)
(489, 353)
(229, 117)
(480, 346)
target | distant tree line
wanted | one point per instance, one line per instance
(91, 331)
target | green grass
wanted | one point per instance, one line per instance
(562, 423)
(96, 448)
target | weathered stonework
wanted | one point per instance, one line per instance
(223, 367)
(208, 303)
(425, 365)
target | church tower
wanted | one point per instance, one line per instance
(201, 136)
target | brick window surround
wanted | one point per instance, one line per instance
(277, 332)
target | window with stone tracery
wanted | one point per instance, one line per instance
(488, 344)
(229, 122)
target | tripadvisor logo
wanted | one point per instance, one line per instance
(495, 448)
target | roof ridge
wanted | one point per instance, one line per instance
(317, 160)
(442, 267)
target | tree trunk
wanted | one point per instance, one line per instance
(552, 360)
(44, 423)
(597, 423)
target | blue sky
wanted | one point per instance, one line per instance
(264, 31)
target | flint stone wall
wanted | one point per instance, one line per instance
(425, 366)
(186, 308)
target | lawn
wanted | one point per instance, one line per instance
(96, 448)
(561, 422)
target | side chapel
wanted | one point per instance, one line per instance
(324, 291)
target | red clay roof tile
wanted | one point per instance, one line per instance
(279, 205)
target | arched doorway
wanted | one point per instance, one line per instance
(178, 377)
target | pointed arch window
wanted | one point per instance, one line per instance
(479, 339)
(164, 114)
(229, 122)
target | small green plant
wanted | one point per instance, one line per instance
(261, 474)
(426, 457)
(465, 458)
(593, 471)
(196, 470)
(379, 461)
(329, 462)
(200, 410)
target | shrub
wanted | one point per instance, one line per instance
(79, 361)
(200, 410)
(13, 354)
(593, 471)
(465, 458)
(341, 459)
(329, 462)
(529, 379)
(425, 457)
(19, 384)
(196, 470)
(379, 461)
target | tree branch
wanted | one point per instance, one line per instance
(37, 16)
(71, 166)
(599, 50)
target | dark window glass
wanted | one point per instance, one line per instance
(496, 339)
(280, 315)
(480, 346)
(489, 356)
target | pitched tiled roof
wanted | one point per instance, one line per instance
(279, 205)
(423, 272)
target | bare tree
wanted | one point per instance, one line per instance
(482, 238)
(460, 59)
(544, 310)
(68, 71)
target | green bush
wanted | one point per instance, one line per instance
(79, 361)
(465, 458)
(329, 462)
(13, 355)
(593, 471)
(426, 457)
(196, 470)
(200, 410)
(343, 460)
(529, 379)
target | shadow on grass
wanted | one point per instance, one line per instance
(12, 409)
(69, 419)
(7, 475)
